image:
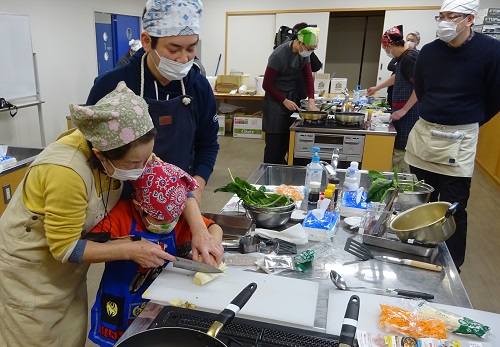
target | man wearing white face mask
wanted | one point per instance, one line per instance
(181, 101)
(457, 84)
(413, 39)
(284, 66)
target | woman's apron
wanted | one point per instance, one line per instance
(116, 306)
(43, 302)
(400, 94)
(444, 149)
(176, 125)
(276, 117)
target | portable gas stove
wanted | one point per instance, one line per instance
(244, 332)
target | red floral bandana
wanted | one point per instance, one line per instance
(393, 34)
(162, 190)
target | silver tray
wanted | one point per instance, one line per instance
(396, 245)
(233, 226)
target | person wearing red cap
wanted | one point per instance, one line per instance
(404, 102)
(154, 213)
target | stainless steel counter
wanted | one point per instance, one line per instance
(325, 130)
(23, 156)
(446, 286)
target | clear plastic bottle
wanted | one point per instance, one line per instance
(363, 100)
(357, 173)
(314, 172)
(355, 96)
(350, 182)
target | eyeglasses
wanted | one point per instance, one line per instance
(449, 17)
(308, 48)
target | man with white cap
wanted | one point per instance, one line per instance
(283, 68)
(134, 45)
(181, 101)
(457, 84)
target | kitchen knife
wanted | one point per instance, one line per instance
(399, 292)
(189, 264)
(350, 323)
(409, 262)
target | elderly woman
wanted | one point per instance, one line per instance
(68, 190)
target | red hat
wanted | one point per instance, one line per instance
(393, 34)
(162, 189)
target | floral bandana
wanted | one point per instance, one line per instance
(114, 121)
(162, 190)
(172, 17)
(394, 34)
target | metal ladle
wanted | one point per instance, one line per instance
(340, 284)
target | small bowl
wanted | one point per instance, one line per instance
(269, 217)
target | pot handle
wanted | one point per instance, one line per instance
(451, 211)
(232, 309)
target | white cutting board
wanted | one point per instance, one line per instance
(369, 313)
(277, 299)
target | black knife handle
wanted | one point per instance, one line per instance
(348, 332)
(412, 294)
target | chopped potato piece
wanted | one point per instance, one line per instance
(201, 278)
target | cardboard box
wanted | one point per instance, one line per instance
(222, 124)
(486, 15)
(338, 85)
(487, 29)
(226, 83)
(321, 82)
(249, 127)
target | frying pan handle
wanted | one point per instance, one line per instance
(451, 211)
(348, 332)
(232, 309)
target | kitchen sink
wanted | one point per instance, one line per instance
(269, 174)
(23, 155)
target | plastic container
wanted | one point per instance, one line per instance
(363, 100)
(314, 172)
(350, 181)
(313, 192)
(355, 96)
(329, 195)
(357, 173)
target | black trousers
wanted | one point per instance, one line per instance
(451, 189)
(276, 148)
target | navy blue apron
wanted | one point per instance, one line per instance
(176, 128)
(116, 307)
(400, 94)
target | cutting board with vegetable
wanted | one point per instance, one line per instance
(369, 313)
(277, 298)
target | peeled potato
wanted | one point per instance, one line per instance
(201, 278)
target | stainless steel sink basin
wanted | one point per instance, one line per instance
(23, 155)
(268, 174)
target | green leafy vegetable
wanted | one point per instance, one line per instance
(381, 186)
(253, 196)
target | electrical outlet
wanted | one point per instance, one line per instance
(7, 193)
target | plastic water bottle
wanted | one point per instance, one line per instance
(357, 173)
(355, 96)
(363, 100)
(350, 181)
(314, 172)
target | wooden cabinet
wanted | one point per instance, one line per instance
(488, 148)
(12, 178)
(377, 153)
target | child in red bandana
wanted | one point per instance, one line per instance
(160, 195)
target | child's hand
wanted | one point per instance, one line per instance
(148, 254)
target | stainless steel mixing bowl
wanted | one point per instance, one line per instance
(269, 217)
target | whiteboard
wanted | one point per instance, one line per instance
(17, 71)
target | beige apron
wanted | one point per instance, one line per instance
(43, 302)
(444, 149)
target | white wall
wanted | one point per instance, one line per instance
(63, 34)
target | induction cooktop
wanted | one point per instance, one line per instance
(244, 332)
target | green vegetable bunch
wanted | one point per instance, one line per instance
(381, 186)
(252, 195)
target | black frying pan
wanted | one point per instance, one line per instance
(177, 337)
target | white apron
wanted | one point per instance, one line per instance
(444, 149)
(43, 302)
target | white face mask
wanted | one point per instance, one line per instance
(447, 31)
(160, 229)
(305, 53)
(389, 54)
(172, 70)
(410, 44)
(125, 175)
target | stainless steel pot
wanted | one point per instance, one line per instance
(407, 199)
(349, 117)
(313, 115)
(430, 223)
